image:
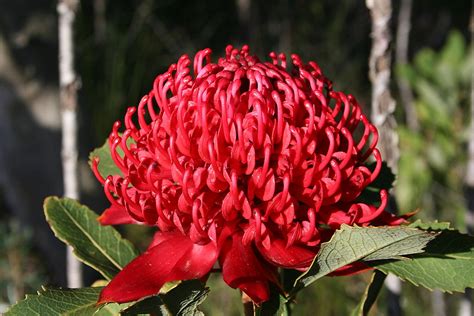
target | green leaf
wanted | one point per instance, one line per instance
(352, 243)
(370, 294)
(430, 225)
(447, 264)
(58, 302)
(106, 165)
(182, 300)
(100, 247)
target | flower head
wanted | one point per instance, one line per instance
(246, 163)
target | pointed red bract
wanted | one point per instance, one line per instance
(289, 257)
(242, 269)
(252, 161)
(176, 258)
(116, 215)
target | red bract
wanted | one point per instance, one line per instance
(246, 163)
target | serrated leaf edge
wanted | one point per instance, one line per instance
(415, 283)
(95, 267)
(345, 227)
(41, 292)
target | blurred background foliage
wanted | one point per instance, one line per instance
(433, 160)
(123, 44)
(21, 270)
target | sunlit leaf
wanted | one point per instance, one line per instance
(447, 264)
(352, 243)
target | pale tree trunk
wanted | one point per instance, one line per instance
(401, 58)
(466, 302)
(68, 101)
(383, 107)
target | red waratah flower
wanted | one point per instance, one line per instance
(244, 163)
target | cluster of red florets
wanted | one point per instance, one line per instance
(254, 162)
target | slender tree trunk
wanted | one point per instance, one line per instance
(401, 58)
(68, 101)
(466, 302)
(383, 107)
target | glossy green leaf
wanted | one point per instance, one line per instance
(100, 247)
(352, 243)
(55, 302)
